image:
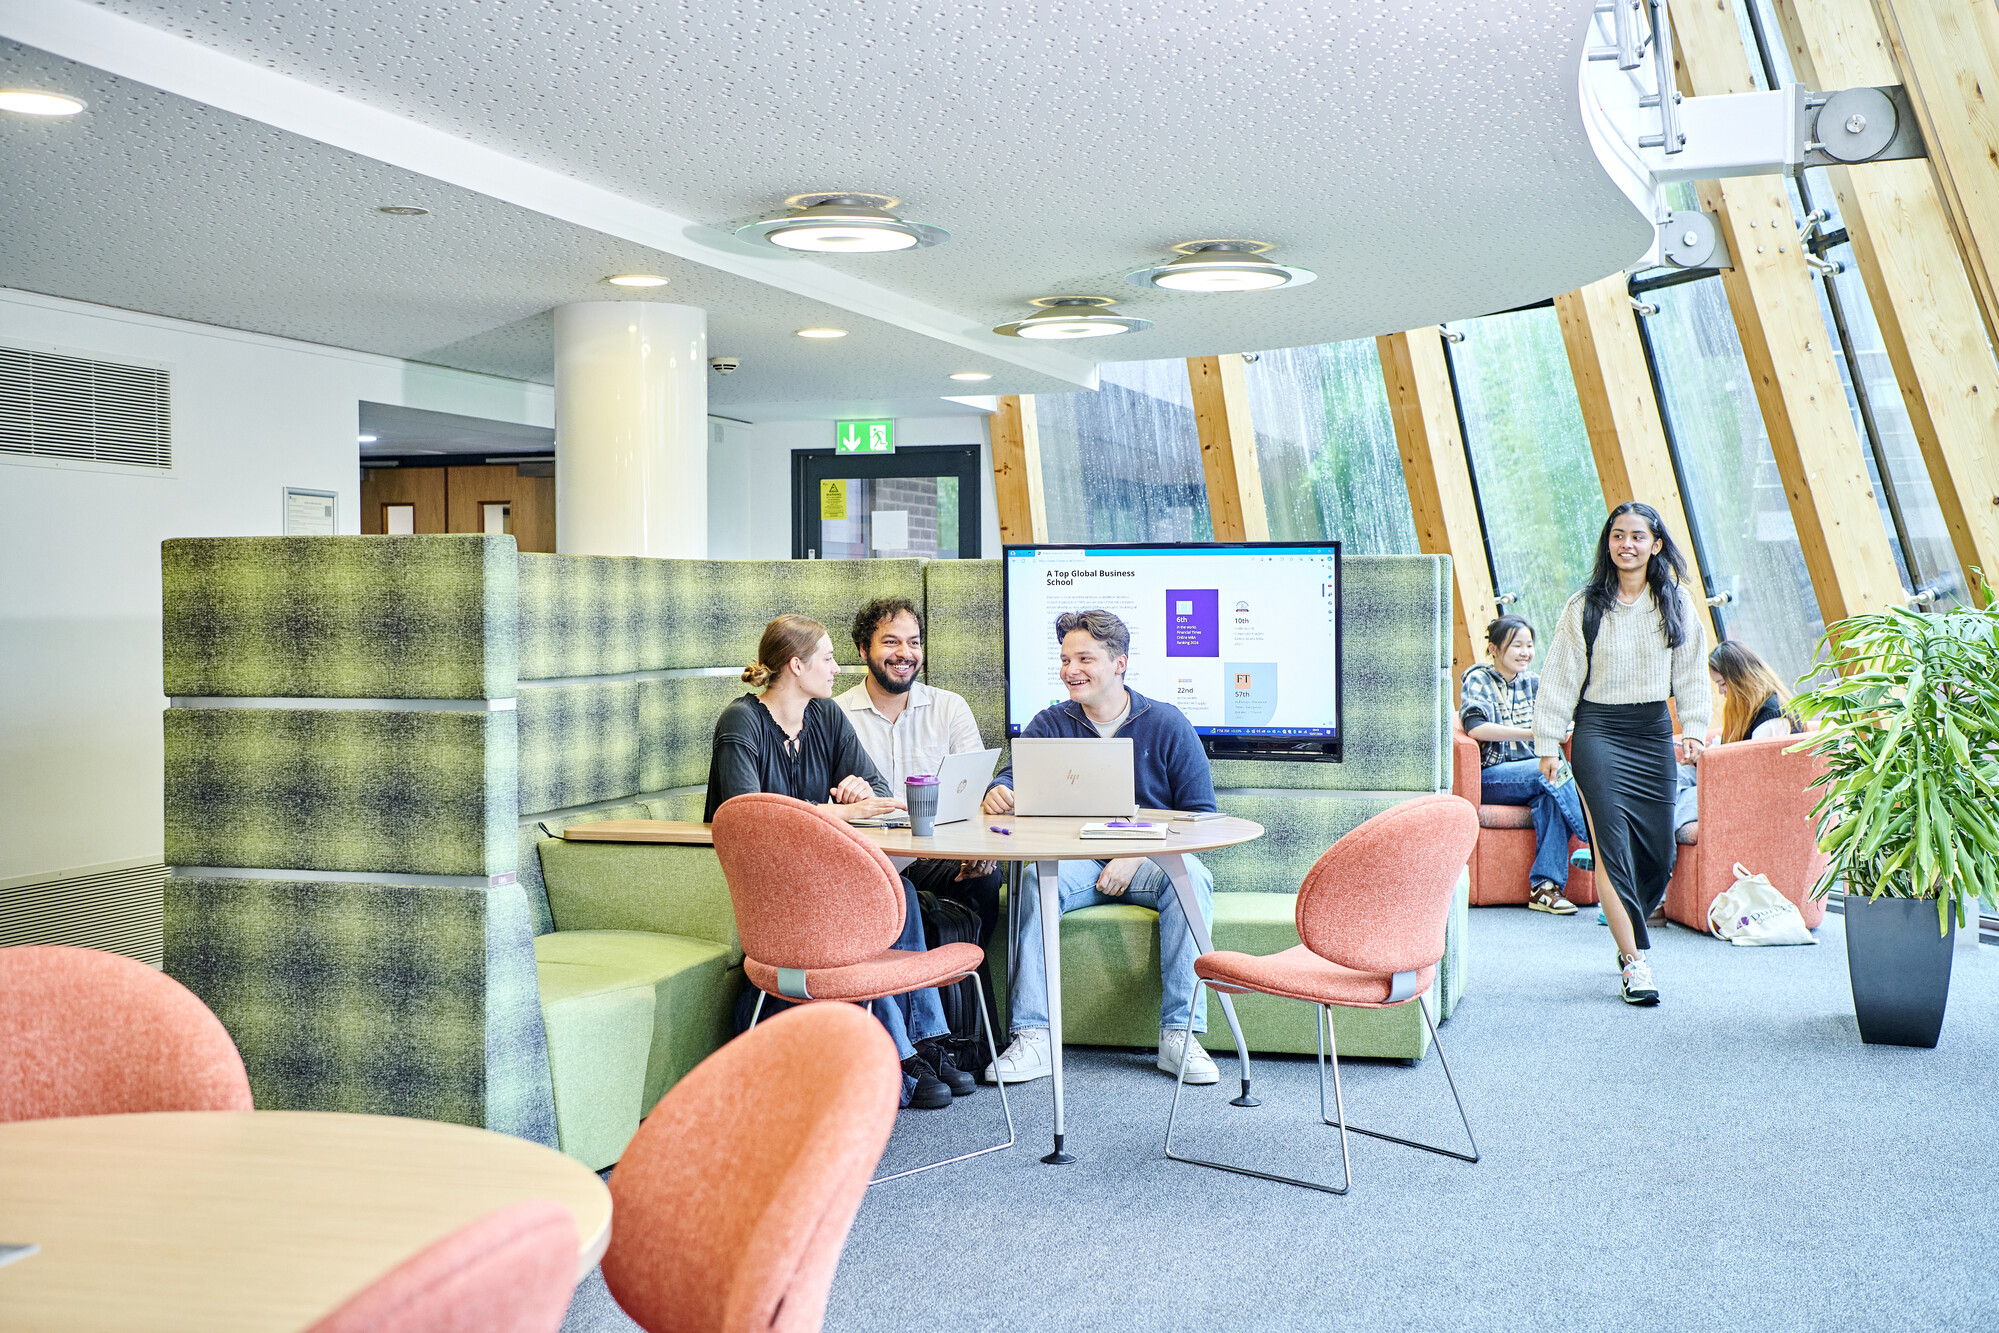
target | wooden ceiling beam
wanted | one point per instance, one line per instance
(1016, 443)
(1439, 480)
(1626, 434)
(1228, 448)
(1789, 350)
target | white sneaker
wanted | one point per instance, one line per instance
(1025, 1060)
(1200, 1067)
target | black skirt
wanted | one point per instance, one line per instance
(1622, 755)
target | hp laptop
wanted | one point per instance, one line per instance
(1087, 779)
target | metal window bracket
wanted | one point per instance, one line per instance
(1865, 124)
(1693, 239)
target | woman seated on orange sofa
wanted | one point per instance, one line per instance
(1752, 700)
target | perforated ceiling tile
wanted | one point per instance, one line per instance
(1427, 160)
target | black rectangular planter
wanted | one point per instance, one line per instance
(1900, 968)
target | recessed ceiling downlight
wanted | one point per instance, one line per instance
(843, 224)
(971, 375)
(637, 280)
(403, 211)
(822, 333)
(28, 102)
(1221, 266)
(1072, 317)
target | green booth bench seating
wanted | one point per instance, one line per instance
(372, 738)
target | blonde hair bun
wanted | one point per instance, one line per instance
(756, 674)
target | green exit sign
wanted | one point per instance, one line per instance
(864, 437)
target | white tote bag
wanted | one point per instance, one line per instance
(1751, 911)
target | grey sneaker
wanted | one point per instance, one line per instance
(1200, 1067)
(1637, 982)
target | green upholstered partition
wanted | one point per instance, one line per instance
(342, 777)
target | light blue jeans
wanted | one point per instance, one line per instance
(1558, 813)
(1150, 887)
(919, 1014)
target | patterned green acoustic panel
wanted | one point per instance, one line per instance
(716, 610)
(371, 998)
(1396, 689)
(340, 617)
(579, 743)
(370, 790)
(584, 615)
(963, 639)
(677, 727)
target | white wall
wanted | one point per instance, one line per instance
(80, 691)
(749, 479)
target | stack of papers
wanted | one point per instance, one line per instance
(1123, 828)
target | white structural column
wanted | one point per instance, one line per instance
(631, 429)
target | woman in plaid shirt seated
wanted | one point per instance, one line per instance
(1498, 713)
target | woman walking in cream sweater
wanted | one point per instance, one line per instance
(1624, 643)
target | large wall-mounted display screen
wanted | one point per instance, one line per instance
(1244, 638)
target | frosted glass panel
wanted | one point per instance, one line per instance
(1536, 477)
(1325, 445)
(1731, 477)
(1123, 464)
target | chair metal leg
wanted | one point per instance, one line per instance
(1328, 1041)
(1244, 1170)
(756, 1013)
(992, 1046)
(1422, 1004)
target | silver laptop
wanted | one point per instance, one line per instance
(961, 787)
(1087, 779)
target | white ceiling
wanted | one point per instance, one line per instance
(1427, 161)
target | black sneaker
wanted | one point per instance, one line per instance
(932, 1093)
(960, 1083)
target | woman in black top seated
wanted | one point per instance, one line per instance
(793, 740)
(1753, 709)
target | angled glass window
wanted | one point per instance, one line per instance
(1123, 464)
(1537, 485)
(1730, 477)
(1325, 447)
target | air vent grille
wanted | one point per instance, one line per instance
(56, 406)
(118, 910)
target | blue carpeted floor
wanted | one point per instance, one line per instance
(1734, 1159)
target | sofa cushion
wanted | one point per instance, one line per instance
(625, 886)
(692, 984)
(599, 1042)
(1505, 816)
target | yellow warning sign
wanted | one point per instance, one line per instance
(833, 499)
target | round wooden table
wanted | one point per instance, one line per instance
(1046, 841)
(251, 1220)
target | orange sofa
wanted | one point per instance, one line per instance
(1755, 807)
(1505, 851)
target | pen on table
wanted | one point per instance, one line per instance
(995, 828)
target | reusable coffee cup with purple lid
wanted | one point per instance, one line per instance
(920, 791)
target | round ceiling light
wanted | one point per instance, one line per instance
(1220, 266)
(843, 224)
(31, 103)
(822, 333)
(637, 280)
(1072, 317)
(403, 211)
(971, 375)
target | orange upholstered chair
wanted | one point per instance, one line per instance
(731, 1205)
(83, 1032)
(512, 1271)
(1505, 852)
(1755, 807)
(817, 906)
(1371, 914)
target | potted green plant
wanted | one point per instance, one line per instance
(1909, 815)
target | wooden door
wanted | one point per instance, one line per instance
(419, 489)
(529, 501)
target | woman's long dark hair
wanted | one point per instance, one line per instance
(1665, 571)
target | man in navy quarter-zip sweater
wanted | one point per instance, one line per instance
(1170, 773)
